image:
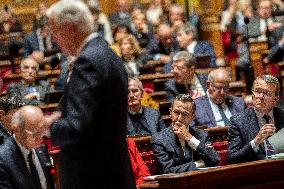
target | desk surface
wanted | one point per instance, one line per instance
(258, 174)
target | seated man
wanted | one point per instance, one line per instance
(39, 42)
(187, 40)
(217, 107)
(185, 80)
(141, 119)
(249, 132)
(30, 89)
(23, 162)
(180, 147)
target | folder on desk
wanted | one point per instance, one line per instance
(277, 141)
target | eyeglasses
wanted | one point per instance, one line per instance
(265, 92)
(182, 113)
(179, 68)
(219, 89)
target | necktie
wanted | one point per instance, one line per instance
(224, 118)
(33, 170)
(269, 148)
(44, 43)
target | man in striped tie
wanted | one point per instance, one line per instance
(249, 131)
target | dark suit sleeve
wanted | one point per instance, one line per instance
(210, 51)
(276, 54)
(210, 156)
(83, 88)
(166, 162)
(169, 91)
(5, 182)
(238, 151)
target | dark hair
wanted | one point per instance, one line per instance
(271, 80)
(185, 98)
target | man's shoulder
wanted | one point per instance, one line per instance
(235, 99)
(161, 136)
(242, 116)
(6, 148)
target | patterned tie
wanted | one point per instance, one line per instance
(33, 170)
(224, 118)
(269, 148)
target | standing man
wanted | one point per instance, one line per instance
(217, 107)
(180, 147)
(93, 107)
(249, 131)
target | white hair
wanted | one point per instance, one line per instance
(74, 12)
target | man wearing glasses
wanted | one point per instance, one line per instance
(250, 132)
(180, 147)
(217, 107)
(185, 79)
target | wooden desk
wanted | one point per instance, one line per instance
(264, 174)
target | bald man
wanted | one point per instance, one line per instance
(16, 171)
(162, 46)
(217, 107)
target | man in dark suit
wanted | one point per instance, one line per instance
(141, 119)
(249, 132)
(217, 107)
(16, 171)
(185, 79)
(187, 39)
(30, 88)
(122, 15)
(93, 107)
(162, 46)
(180, 147)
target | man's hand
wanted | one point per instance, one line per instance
(49, 119)
(181, 131)
(266, 131)
(165, 58)
(32, 96)
(38, 56)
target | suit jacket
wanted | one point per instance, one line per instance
(276, 54)
(171, 157)
(118, 18)
(31, 43)
(243, 129)
(155, 47)
(14, 173)
(21, 90)
(152, 120)
(173, 89)
(205, 48)
(201, 48)
(94, 109)
(204, 114)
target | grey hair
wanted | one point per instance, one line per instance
(187, 28)
(18, 119)
(139, 83)
(189, 58)
(271, 80)
(29, 58)
(72, 12)
(215, 72)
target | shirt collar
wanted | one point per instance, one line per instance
(135, 113)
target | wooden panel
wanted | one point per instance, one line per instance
(254, 175)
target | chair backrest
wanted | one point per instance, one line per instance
(145, 148)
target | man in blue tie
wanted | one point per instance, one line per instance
(249, 131)
(217, 106)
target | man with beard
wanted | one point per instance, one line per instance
(250, 131)
(217, 107)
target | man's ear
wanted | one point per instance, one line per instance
(207, 84)
(14, 128)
